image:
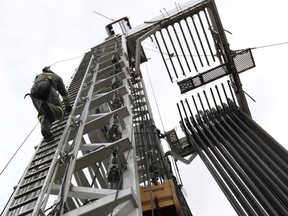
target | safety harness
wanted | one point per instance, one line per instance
(41, 87)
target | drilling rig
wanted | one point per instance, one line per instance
(107, 157)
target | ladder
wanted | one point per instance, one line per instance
(95, 140)
(106, 157)
(37, 176)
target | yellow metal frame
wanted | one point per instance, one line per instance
(160, 196)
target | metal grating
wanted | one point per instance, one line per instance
(214, 73)
(244, 60)
(202, 79)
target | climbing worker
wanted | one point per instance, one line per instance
(45, 97)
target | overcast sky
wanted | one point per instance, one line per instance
(34, 34)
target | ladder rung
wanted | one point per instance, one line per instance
(49, 148)
(32, 182)
(28, 192)
(44, 156)
(41, 164)
(56, 131)
(37, 172)
(136, 89)
(26, 212)
(44, 144)
(139, 104)
(49, 142)
(60, 125)
(23, 203)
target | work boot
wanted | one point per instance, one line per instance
(45, 129)
(52, 112)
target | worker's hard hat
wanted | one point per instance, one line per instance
(46, 69)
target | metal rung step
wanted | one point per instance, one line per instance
(109, 51)
(44, 156)
(137, 121)
(45, 144)
(77, 80)
(57, 129)
(108, 44)
(138, 116)
(29, 211)
(105, 48)
(49, 142)
(32, 182)
(73, 93)
(139, 104)
(49, 148)
(56, 135)
(140, 112)
(137, 97)
(23, 203)
(36, 172)
(72, 101)
(28, 192)
(59, 125)
(64, 120)
(107, 55)
(46, 162)
(81, 69)
(75, 86)
(105, 67)
(73, 96)
(134, 90)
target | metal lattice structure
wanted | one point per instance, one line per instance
(106, 157)
(105, 152)
(89, 148)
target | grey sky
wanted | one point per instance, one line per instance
(34, 34)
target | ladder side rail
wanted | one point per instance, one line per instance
(64, 140)
(10, 202)
(128, 154)
(61, 145)
(39, 159)
(78, 139)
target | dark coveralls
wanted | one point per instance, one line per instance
(50, 109)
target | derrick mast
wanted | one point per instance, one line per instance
(106, 157)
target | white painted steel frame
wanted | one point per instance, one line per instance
(127, 199)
